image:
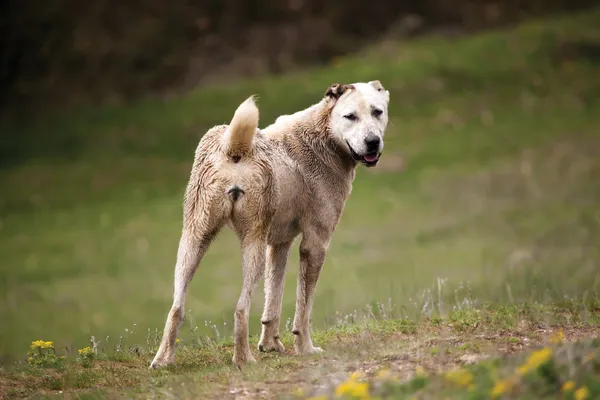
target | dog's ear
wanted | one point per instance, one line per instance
(336, 90)
(377, 85)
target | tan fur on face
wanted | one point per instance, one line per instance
(269, 186)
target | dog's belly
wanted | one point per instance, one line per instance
(283, 229)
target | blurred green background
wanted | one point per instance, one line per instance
(488, 190)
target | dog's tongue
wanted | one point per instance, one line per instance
(370, 157)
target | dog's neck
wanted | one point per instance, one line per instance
(308, 132)
(316, 133)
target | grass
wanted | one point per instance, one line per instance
(487, 194)
(375, 344)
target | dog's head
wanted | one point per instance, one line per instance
(358, 118)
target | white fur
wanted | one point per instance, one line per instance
(361, 102)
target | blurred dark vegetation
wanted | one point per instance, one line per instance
(57, 54)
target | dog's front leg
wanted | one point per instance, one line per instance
(312, 256)
(253, 265)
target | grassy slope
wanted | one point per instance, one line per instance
(498, 195)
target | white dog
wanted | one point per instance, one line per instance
(269, 186)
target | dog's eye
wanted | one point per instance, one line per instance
(377, 112)
(351, 117)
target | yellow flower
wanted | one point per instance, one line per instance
(557, 337)
(353, 388)
(568, 386)
(84, 351)
(42, 345)
(540, 357)
(500, 388)
(460, 377)
(177, 340)
(535, 360)
(582, 393)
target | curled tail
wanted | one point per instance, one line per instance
(240, 133)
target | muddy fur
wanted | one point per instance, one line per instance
(270, 186)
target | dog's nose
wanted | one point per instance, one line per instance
(372, 142)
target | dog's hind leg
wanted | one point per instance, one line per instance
(312, 256)
(277, 256)
(253, 267)
(195, 239)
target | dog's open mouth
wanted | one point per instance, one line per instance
(369, 159)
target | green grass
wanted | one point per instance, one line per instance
(371, 343)
(487, 192)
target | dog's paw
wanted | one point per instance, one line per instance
(314, 350)
(307, 350)
(161, 362)
(240, 361)
(271, 345)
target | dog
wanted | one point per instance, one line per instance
(271, 185)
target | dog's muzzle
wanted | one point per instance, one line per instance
(369, 159)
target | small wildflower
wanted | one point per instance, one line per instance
(42, 354)
(540, 357)
(500, 388)
(460, 377)
(42, 345)
(557, 337)
(86, 356)
(85, 351)
(353, 388)
(535, 360)
(568, 386)
(582, 393)
(177, 340)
